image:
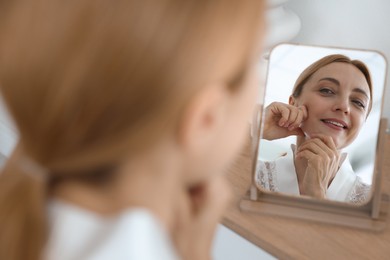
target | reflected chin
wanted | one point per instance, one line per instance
(336, 141)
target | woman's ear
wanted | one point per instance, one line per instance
(202, 117)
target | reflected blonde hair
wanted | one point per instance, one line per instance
(313, 68)
(89, 82)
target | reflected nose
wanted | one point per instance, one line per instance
(342, 105)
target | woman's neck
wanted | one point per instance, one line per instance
(150, 183)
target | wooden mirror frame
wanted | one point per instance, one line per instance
(369, 216)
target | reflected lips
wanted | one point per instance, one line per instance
(335, 123)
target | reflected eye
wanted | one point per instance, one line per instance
(359, 103)
(326, 91)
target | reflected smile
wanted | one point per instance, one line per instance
(335, 123)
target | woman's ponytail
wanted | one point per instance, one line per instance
(22, 209)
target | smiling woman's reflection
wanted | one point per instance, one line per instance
(329, 104)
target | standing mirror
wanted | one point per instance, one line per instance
(318, 138)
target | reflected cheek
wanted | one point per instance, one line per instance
(308, 127)
(354, 132)
(358, 123)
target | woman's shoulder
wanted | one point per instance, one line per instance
(360, 192)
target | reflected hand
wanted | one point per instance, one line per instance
(200, 212)
(282, 120)
(323, 160)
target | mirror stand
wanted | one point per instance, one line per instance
(370, 216)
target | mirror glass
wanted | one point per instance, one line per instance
(321, 141)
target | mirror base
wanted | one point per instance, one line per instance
(328, 212)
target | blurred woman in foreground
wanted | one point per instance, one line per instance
(128, 113)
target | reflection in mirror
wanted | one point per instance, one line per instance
(320, 123)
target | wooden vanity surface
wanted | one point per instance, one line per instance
(287, 238)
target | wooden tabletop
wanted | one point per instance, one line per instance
(287, 238)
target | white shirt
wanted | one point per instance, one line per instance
(76, 233)
(280, 176)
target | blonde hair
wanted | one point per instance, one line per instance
(313, 68)
(90, 81)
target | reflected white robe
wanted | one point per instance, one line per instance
(280, 176)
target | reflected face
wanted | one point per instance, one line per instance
(337, 98)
